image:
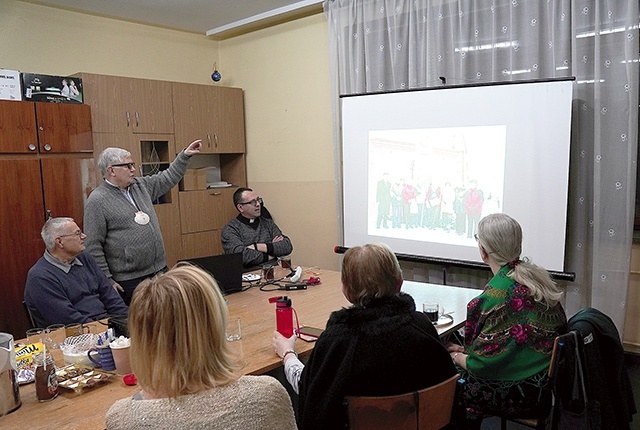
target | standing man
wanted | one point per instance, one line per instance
(258, 238)
(122, 227)
(473, 206)
(383, 198)
(66, 285)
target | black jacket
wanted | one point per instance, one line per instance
(609, 402)
(385, 348)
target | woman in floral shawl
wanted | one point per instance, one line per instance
(510, 328)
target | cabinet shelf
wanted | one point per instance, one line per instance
(154, 156)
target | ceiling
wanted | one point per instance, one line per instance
(219, 19)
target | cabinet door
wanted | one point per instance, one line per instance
(151, 106)
(169, 218)
(213, 114)
(131, 105)
(109, 100)
(21, 220)
(201, 244)
(194, 114)
(230, 131)
(64, 127)
(67, 183)
(17, 127)
(204, 210)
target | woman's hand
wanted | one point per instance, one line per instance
(454, 347)
(457, 354)
(281, 344)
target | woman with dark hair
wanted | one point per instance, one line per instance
(379, 346)
(510, 328)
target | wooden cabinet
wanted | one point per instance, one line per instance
(204, 213)
(154, 120)
(213, 203)
(216, 116)
(131, 105)
(44, 127)
(37, 182)
(213, 114)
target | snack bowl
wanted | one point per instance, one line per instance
(74, 349)
(80, 358)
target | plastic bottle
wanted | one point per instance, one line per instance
(284, 315)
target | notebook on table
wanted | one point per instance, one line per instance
(226, 269)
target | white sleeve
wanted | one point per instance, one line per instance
(292, 371)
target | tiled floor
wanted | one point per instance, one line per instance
(633, 366)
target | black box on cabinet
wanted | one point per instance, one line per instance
(47, 88)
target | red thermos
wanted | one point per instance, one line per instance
(284, 315)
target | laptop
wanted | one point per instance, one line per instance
(226, 269)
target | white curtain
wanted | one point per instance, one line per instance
(385, 45)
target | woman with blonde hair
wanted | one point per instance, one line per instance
(183, 362)
(510, 328)
(379, 346)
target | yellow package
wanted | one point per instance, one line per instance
(24, 361)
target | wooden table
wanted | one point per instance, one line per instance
(313, 306)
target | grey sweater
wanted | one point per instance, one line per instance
(123, 248)
(240, 233)
(252, 402)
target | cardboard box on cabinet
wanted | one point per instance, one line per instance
(10, 88)
(47, 88)
(194, 179)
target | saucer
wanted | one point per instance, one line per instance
(445, 319)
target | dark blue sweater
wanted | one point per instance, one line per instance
(84, 294)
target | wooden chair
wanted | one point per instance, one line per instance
(537, 423)
(426, 409)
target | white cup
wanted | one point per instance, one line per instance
(121, 359)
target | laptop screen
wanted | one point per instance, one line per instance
(226, 269)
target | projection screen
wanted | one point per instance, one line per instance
(420, 168)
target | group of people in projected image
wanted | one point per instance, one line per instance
(428, 205)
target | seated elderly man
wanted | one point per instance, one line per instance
(258, 238)
(66, 285)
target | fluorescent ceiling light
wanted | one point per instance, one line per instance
(264, 16)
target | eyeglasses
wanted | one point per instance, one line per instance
(78, 233)
(127, 165)
(475, 235)
(254, 202)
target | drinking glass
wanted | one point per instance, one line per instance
(35, 335)
(234, 329)
(431, 310)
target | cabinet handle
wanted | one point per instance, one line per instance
(32, 147)
(215, 193)
(137, 122)
(215, 138)
(41, 128)
(208, 140)
(47, 147)
(128, 119)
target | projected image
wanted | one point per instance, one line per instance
(435, 184)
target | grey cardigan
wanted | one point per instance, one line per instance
(123, 248)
